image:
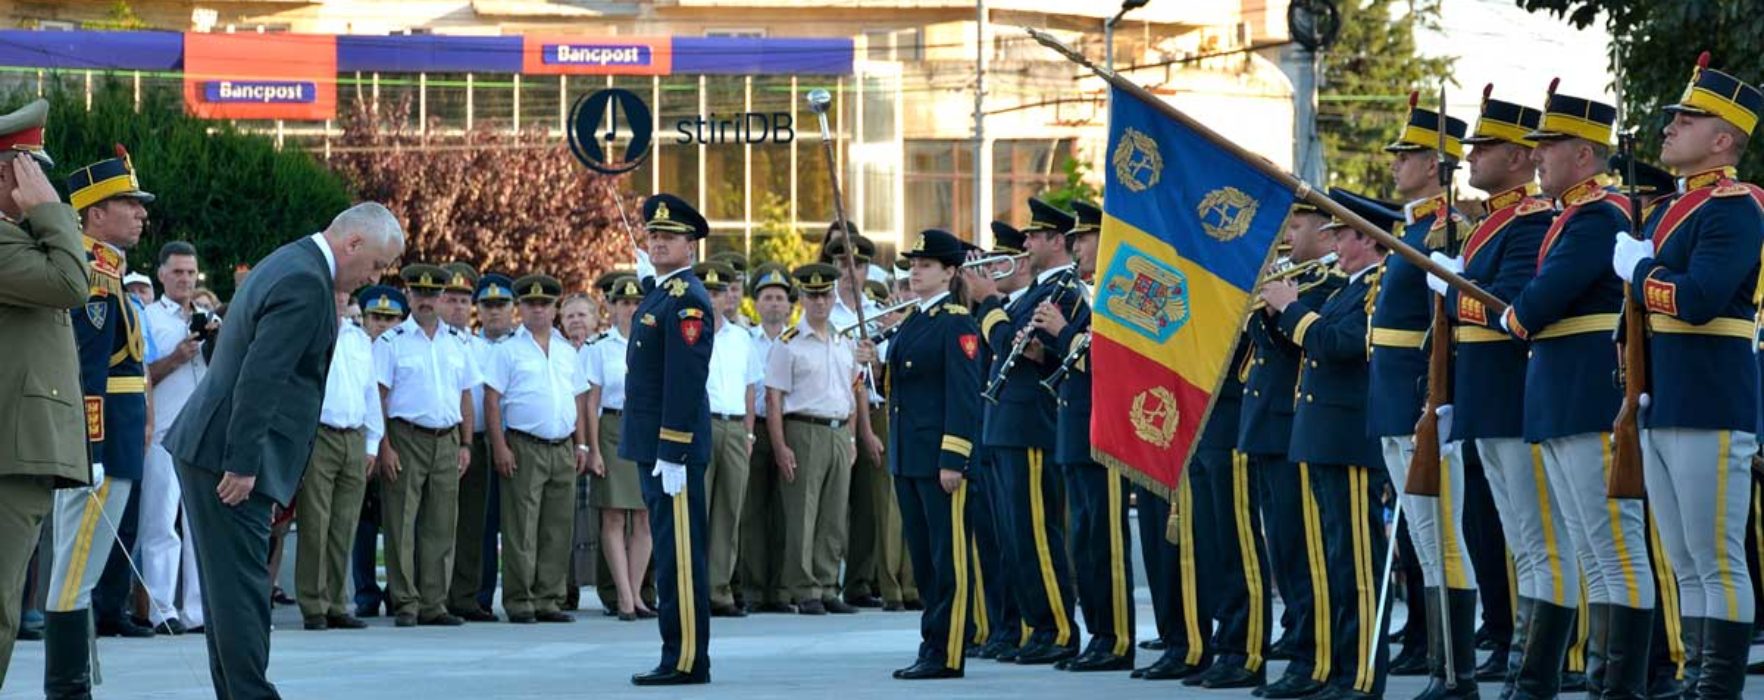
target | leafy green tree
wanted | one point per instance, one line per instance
(1076, 187)
(231, 194)
(776, 241)
(1654, 46)
(119, 16)
(1365, 79)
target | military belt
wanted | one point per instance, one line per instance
(817, 420)
(1726, 327)
(727, 416)
(1576, 325)
(126, 385)
(437, 432)
(611, 411)
(535, 438)
(335, 429)
(1478, 334)
(1397, 338)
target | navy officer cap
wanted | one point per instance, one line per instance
(671, 214)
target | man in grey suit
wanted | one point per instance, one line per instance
(243, 440)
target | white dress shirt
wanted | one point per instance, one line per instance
(814, 372)
(424, 376)
(762, 349)
(330, 257)
(538, 387)
(732, 370)
(166, 325)
(603, 365)
(481, 348)
(352, 397)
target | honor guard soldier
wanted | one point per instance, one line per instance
(934, 408)
(1019, 433)
(40, 244)
(530, 390)
(351, 425)
(1097, 497)
(113, 373)
(1696, 274)
(667, 433)
(426, 372)
(1264, 435)
(812, 389)
(1568, 312)
(474, 486)
(735, 370)
(616, 491)
(875, 523)
(1336, 458)
(762, 511)
(1500, 256)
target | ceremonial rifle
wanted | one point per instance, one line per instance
(1625, 478)
(1424, 465)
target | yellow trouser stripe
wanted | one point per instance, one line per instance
(1246, 546)
(1321, 607)
(82, 549)
(1577, 648)
(1512, 584)
(1723, 444)
(982, 625)
(1362, 578)
(1190, 593)
(1450, 554)
(1614, 511)
(1552, 552)
(958, 612)
(1668, 584)
(683, 579)
(1038, 522)
(1118, 593)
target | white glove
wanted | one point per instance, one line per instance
(645, 268)
(1445, 425)
(1628, 253)
(1455, 265)
(673, 476)
(97, 474)
(1645, 399)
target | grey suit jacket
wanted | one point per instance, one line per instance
(256, 412)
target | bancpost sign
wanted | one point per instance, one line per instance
(600, 119)
(260, 76)
(261, 91)
(579, 55)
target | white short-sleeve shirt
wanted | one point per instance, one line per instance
(424, 376)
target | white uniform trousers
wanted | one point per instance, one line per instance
(1423, 514)
(1699, 486)
(166, 558)
(85, 532)
(1609, 535)
(1521, 497)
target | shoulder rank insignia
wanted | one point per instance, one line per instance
(676, 287)
(98, 312)
(1730, 188)
(106, 261)
(1531, 206)
(787, 335)
(957, 309)
(647, 320)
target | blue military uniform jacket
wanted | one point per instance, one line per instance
(1488, 365)
(1400, 318)
(1025, 415)
(113, 370)
(1568, 312)
(934, 391)
(1073, 443)
(1699, 293)
(1220, 432)
(1265, 427)
(667, 412)
(1328, 425)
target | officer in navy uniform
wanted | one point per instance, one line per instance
(1264, 434)
(1338, 462)
(1020, 429)
(113, 374)
(1500, 256)
(1697, 276)
(1097, 497)
(933, 411)
(666, 432)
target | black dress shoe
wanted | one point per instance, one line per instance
(555, 616)
(1495, 668)
(1573, 682)
(727, 611)
(670, 676)
(1153, 644)
(123, 627)
(172, 627)
(442, 620)
(838, 607)
(892, 607)
(405, 620)
(1411, 661)
(522, 618)
(1234, 676)
(927, 670)
(279, 597)
(774, 608)
(992, 649)
(314, 623)
(646, 615)
(810, 607)
(197, 629)
(863, 601)
(1280, 650)
(366, 611)
(914, 605)
(1007, 653)
(1101, 661)
(1291, 686)
(1044, 654)
(1170, 668)
(474, 614)
(344, 622)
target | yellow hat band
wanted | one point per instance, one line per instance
(1703, 99)
(102, 190)
(1505, 131)
(1422, 137)
(1570, 125)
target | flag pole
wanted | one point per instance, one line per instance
(1300, 188)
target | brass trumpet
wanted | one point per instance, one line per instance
(989, 260)
(1285, 269)
(874, 323)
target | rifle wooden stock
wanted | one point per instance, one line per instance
(1424, 465)
(1625, 478)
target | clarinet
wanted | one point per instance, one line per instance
(1018, 347)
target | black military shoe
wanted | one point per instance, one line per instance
(554, 616)
(124, 627)
(314, 623)
(523, 619)
(473, 614)
(1044, 654)
(172, 627)
(863, 601)
(1100, 661)
(1234, 676)
(727, 611)
(668, 676)
(1411, 661)
(1007, 652)
(927, 670)
(1172, 667)
(1291, 686)
(405, 620)
(838, 607)
(774, 608)
(344, 622)
(810, 607)
(1153, 644)
(442, 620)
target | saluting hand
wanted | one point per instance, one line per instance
(30, 186)
(786, 459)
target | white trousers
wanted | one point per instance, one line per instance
(1609, 535)
(1432, 544)
(166, 557)
(1521, 497)
(85, 533)
(1700, 487)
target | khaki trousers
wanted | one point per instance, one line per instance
(330, 505)
(815, 505)
(421, 506)
(538, 525)
(725, 481)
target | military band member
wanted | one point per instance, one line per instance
(667, 433)
(812, 390)
(1335, 459)
(351, 425)
(113, 373)
(530, 389)
(1500, 256)
(762, 511)
(1264, 435)
(426, 372)
(1019, 433)
(1697, 276)
(735, 371)
(1102, 561)
(616, 490)
(934, 408)
(1567, 312)
(474, 528)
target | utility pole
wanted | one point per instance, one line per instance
(1313, 25)
(982, 235)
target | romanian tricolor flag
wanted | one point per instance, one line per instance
(1187, 228)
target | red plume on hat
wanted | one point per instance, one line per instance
(123, 154)
(1702, 63)
(1414, 98)
(1487, 90)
